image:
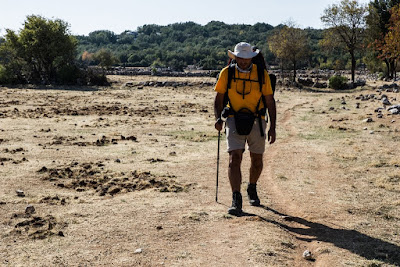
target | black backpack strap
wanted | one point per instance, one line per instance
(260, 74)
(259, 115)
(272, 78)
(231, 74)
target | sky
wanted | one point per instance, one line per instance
(85, 16)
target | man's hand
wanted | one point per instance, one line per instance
(218, 125)
(271, 136)
(218, 106)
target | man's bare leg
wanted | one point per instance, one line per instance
(235, 178)
(255, 172)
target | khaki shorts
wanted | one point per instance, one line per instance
(255, 142)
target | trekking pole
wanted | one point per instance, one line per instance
(216, 189)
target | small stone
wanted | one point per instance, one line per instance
(118, 161)
(368, 120)
(386, 101)
(138, 251)
(173, 153)
(371, 132)
(29, 209)
(307, 255)
(20, 193)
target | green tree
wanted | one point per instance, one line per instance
(10, 64)
(105, 58)
(391, 48)
(290, 44)
(41, 49)
(346, 22)
(102, 37)
(377, 22)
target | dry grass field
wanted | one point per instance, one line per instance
(125, 176)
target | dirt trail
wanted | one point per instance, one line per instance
(312, 215)
(287, 206)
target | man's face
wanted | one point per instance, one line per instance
(243, 63)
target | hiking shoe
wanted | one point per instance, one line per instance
(236, 208)
(252, 195)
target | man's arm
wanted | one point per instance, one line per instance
(270, 102)
(218, 106)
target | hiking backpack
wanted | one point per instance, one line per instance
(259, 61)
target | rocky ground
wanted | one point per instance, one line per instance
(125, 176)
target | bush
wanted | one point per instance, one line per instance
(338, 82)
(3, 75)
(95, 78)
(8, 75)
(69, 75)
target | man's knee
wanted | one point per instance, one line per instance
(257, 161)
(235, 157)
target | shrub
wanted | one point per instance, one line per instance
(96, 78)
(68, 75)
(338, 82)
(3, 75)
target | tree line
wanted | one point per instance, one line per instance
(356, 35)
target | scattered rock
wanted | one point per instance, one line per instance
(43, 169)
(307, 255)
(368, 120)
(152, 160)
(138, 251)
(395, 109)
(320, 85)
(385, 101)
(29, 209)
(20, 193)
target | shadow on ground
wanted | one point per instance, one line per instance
(368, 247)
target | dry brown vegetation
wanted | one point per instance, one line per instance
(125, 176)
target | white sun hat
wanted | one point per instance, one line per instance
(243, 50)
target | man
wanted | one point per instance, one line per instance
(244, 94)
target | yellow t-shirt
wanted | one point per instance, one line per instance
(245, 91)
